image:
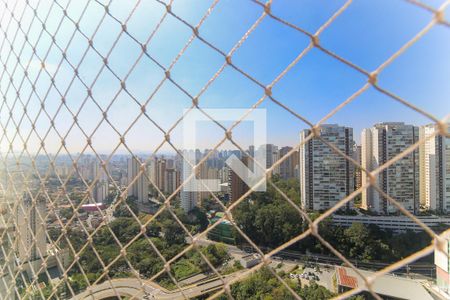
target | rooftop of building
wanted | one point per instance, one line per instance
(251, 257)
(92, 205)
(386, 285)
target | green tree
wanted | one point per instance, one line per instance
(199, 217)
(126, 207)
(216, 254)
(313, 291)
(173, 233)
(268, 219)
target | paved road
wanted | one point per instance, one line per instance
(132, 287)
(425, 270)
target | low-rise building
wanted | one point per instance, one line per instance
(388, 287)
(441, 260)
(394, 223)
(250, 260)
(93, 207)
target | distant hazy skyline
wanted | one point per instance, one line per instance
(366, 34)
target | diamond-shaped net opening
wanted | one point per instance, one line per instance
(96, 199)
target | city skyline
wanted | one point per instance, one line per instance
(144, 153)
(421, 180)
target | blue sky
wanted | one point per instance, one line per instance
(367, 33)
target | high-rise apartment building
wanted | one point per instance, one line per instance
(272, 156)
(161, 173)
(6, 234)
(189, 200)
(171, 181)
(31, 242)
(236, 186)
(289, 166)
(164, 174)
(434, 170)
(189, 197)
(204, 172)
(251, 151)
(325, 176)
(139, 188)
(154, 173)
(163, 170)
(6, 238)
(86, 166)
(357, 158)
(400, 180)
(100, 189)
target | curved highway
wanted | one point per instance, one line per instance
(132, 287)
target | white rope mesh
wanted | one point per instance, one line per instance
(30, 32)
